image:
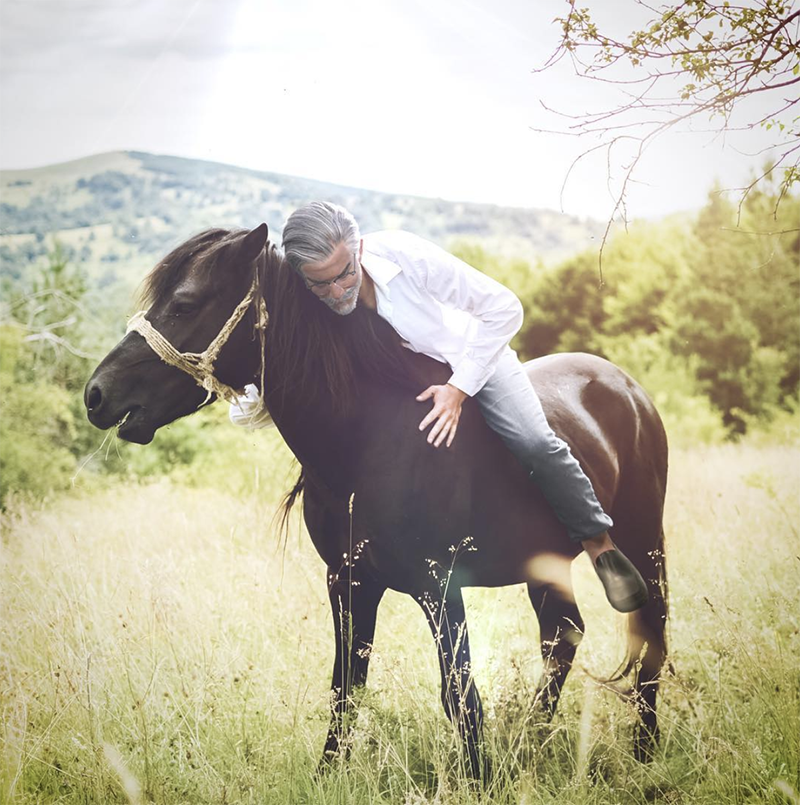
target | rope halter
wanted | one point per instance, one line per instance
(200, 365)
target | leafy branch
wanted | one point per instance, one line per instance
(698, 61)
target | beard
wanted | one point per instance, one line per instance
(345, 304)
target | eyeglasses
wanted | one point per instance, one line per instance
(344, 281)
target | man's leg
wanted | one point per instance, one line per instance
(512, 409)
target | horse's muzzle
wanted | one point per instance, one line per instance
(104, 413)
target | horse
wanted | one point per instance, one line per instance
(384, 509)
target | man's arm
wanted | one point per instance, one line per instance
(494, 307)
(456, 284)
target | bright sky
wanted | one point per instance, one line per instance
(427, 97)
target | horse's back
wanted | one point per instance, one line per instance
(606, 417)
(419, 501)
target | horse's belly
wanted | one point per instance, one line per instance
(490, 538)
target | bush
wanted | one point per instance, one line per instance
(36, 427)
(206, 450)
(688, 415)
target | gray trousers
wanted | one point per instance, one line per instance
(512, 409)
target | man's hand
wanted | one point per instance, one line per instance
(446, 411)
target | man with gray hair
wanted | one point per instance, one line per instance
(445, 308)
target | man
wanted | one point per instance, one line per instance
(446, 309)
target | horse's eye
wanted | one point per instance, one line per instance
(182, 307)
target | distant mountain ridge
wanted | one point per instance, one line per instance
(118, 212)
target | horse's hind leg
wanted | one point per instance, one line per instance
(647, 646)
(648, 626)
(561, 630)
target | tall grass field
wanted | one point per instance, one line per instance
(162, 643)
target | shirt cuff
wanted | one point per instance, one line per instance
(470, 376)
(249, 412)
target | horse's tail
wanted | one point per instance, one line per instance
(287, 503)
(647, 639)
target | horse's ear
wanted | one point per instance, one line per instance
(253, 244)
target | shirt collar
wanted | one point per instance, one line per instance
(380, 270)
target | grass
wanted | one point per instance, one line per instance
(159, 643)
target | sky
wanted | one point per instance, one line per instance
(426, 97)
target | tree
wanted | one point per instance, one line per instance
(566, 312)
(44, 364)
(706, 316)
(691, 60)
(37, 427)
(740, 307)
(51, 313)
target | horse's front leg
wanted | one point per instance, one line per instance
(354, 601)
(460, 698)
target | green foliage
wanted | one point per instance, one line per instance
(48, 349)
(705, 316)
(712, 327)
(782, 426)
(741, 305)
(572, 310)
(47, 354)
(204, 449)
(567, 311)
(688, 414)
(513, 273)
(50, 310)
(36, 426)
(44, 369)
(693, 60)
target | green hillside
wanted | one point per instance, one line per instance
(116, 213)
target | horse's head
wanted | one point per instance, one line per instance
(197, 338)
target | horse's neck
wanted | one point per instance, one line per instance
(322, 440)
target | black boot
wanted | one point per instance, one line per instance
(624, 585)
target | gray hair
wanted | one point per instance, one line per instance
(313, 231)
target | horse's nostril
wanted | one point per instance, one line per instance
(94, 398)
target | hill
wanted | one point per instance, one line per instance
(116, 213)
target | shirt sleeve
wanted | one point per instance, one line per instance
(494, 307)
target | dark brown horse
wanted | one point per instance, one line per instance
(425, 522)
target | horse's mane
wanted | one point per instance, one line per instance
(312, 351)
(322, 355)
(201, 251)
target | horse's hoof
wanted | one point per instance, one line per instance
(645, 743)
(327, 761)
(480, 771)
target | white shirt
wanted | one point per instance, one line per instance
(248, 410)
(439, 305)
